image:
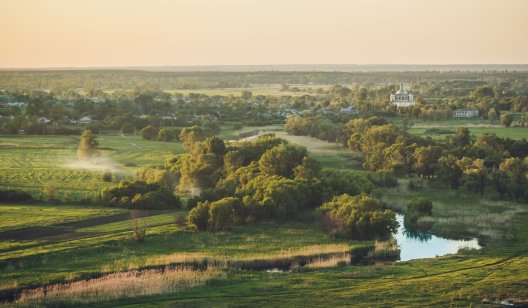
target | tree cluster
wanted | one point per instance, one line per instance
(139, 195)
(358, 217)
(457, 160)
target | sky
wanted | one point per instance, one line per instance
(103, 33)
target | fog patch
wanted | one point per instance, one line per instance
(103, 164)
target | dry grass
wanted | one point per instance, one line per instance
(177, 272)
(332, 261)
(192, 258)
(119, 285)
(176, 258)
(385, 251)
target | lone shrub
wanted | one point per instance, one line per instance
(50, 190)
(107, 176)
(139, 227)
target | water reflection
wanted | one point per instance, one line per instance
(411, 233)
(416, 244)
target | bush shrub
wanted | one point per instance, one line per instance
(221, 214)
(420, 206)
(199, 216)
(139, 195)
(361, 217)
(107, 176)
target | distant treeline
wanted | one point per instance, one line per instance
(131, 79)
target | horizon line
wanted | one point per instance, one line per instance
(205, 66)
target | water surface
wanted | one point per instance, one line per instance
(417, 244)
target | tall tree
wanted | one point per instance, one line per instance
(88, 145)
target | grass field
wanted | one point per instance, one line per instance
(42, 244)
(497, 271)
(68, 247)
(30, 162)
(477, 127)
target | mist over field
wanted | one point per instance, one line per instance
(99, 163)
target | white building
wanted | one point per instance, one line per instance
(43, 120)
(465, 113)
(85, 120)
(402, 98)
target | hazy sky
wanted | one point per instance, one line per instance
(59, 33)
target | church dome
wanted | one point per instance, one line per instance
(401, 90)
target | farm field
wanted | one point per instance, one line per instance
(30, 162)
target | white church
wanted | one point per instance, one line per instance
(402, 98)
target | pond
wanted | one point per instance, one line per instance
(418, 244)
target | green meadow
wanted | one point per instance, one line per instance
(30, 162)
(45, 243)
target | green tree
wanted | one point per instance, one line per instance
(492, 115)
(474, 173)
(308, 170)
(281, 160)
(149, 132)
(462, 137)
(165, 134)
(199, 216)
(297, 126)
(274, 197)
(516, 173)
(506, 119)
(210, 126)
(361, 217)
(448, 171)
(426, 160)
(216, 146)
(221, 214)
(190, 135)
(87, 146)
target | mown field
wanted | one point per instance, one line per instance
(30, 162)
(55, 243)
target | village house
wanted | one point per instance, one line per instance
(465, 113)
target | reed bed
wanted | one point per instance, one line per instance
(333, 261)
(282, 258)
(120, 285)
(385, 251)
